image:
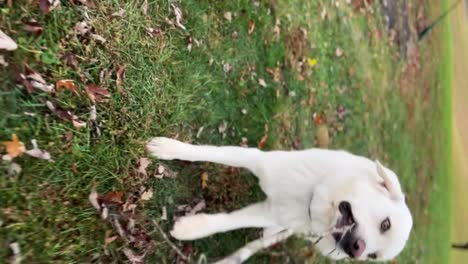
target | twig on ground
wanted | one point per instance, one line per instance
(172, 245)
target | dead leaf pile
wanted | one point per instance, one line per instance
(125, 221)
(32, 80)
(97, 94)
(66, 115)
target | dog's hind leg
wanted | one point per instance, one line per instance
(202, 225)
(166, 148)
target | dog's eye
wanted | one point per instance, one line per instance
(372, 256)
(385, 225)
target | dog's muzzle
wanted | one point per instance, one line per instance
(345, 236)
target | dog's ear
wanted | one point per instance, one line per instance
(390, 182)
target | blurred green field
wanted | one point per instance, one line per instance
(266, 69)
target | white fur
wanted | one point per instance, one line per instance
(303, 191)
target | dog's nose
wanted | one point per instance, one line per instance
(355, 248)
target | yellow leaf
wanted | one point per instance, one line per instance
(14, 147)
(204, 180)
(312, 62)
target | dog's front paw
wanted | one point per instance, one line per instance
(191, 227)
(165, 148)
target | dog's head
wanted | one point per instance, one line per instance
(372, 220)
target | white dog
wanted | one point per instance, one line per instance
(349, 206)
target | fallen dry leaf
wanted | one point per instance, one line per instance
(97, 93)
(251, 27)
(82, 28)
(14, 148)
(339, 52)
(147, 195)
(204, 180)
(262, 83)
(144, 8)
(14, 169)
(261, 144)
(276, 73)
(67, 84)
(33, 27)
(16, 258)
(6, 42)
(143, 164)
(227, 67)
(38, 82)
(228, 16)
(134, 259)
(98, 38)
(153, 32)
(318, 120)
(112, 197)
(38, 153)
(3, 61)
(197, 208)
(93, 199)
(88, 3)
(120, 80)
(66, 115)
(48, 5)
(178, 16)
(109, 239)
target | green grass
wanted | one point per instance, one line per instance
(173, 92)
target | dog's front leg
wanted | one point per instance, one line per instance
(202, 225)
(166, 148)
(253, 247)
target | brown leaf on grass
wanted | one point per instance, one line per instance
(36, 152)
(67, 84)
(98, 38)
(276, 73)
(178, 17)
(66, 115)
(144, 8)
(228, 16)
(97, 93)
(132, 257)
(261, 144)
(33, 27)
(251, 27)
(153, 32)
(114, 197)
(6, 42)
(120, 80)
(93, 199)
(143, 164)
(71, 60)
(108, 238)
(14, 148)
(339, 52)
(48, 5)
(14, 169)
(147, 195)
(31, 80)
(262, 83)
(82, 28)
(204, 180)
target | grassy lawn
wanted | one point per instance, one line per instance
(282, 72)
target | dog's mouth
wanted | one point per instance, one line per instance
(344, 232)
